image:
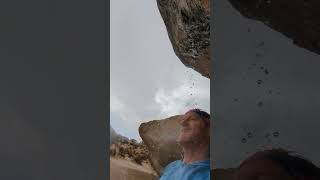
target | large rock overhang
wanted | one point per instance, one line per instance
(188, 26)
(298, 20)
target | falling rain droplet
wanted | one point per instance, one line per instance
(267, 135)
(276, 134)
(249, 134)
(259, 81)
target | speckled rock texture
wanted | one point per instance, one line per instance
(188, 26)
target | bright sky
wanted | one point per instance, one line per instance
(148, 81)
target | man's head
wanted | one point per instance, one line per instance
(195, 128)
(276, 164)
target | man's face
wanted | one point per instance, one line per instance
(193, 129)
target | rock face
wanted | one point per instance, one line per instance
(188, 26)
(160, 138)
(299, 20)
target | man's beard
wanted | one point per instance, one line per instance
(193, 141)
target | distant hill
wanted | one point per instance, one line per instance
(115, 137)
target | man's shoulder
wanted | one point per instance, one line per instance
(173, 164)
(170, 169)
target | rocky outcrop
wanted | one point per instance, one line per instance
(129, 159)
(160, 138)
(299, 20)
(131, 150)
(188, 26)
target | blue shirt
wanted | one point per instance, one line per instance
(177, 170)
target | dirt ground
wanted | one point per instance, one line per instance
(123, 169)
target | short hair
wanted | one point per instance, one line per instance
(202, 114)
(295, 165)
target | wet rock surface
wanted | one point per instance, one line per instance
(298, 20)
(188, 27)
(160, 138)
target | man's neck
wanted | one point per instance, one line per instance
(193, 153)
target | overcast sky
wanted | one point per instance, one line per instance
(148, 81)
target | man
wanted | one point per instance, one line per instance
(194, 139)
(276, 164)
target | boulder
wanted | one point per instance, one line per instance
(160, 138)
(188, 27)
(298, 20)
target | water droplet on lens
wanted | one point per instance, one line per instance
(267, 135)
(243, 140)
(249, 134)
(259, 81)
(276, 134)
